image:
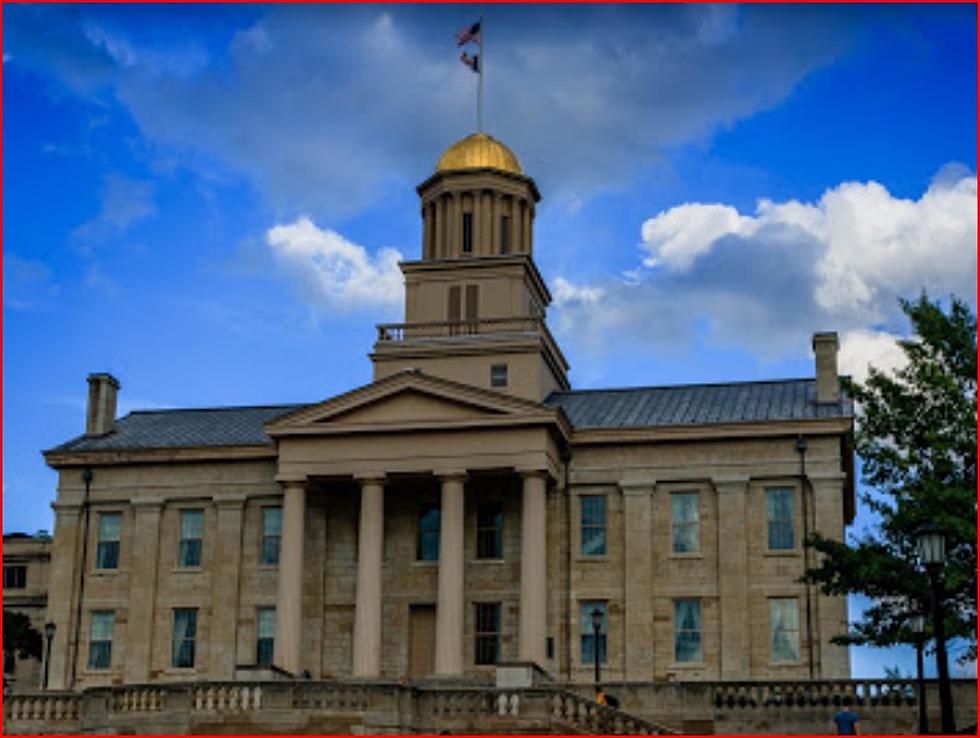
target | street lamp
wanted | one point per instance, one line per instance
(930, 540)
(596, 626)
(918, 625)
(48, 637)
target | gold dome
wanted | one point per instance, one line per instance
(478, 151)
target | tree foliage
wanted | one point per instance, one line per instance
(916, 436)
(20, 637)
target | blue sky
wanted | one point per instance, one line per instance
(718, 182)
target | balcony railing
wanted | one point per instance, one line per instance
(392, 332)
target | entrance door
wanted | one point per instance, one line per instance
(421, 640)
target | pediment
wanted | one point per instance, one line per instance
(405, 400)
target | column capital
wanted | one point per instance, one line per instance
(450, 475)
(287, 484)
(232, 501)
(730, 484)
(371, 477)
(533, 473)
(637, 488)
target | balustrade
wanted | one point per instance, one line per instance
(227, 697)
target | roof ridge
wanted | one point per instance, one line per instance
(215, 408)
(682, 386)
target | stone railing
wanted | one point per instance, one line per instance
(862, 692)
(885, 706)
(393, 332)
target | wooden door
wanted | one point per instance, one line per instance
(421, 640)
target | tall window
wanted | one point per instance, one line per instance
(784, 629)
(191, 532)
(587, 631)
(685, 522)
(14, 577)
(687, 630)
(593, 525)
(779, 512)
(265, 635)
(489, 530)
(487, 632)
(504, 234)
(467, 233)
(107, 551)
(100, 639)
(271, 534)
(185, 635)
(427, 548)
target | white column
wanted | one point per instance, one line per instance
(534, 575)
(449, 611)
(370, 550)
(289, 606)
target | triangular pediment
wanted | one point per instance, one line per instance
(405, 400)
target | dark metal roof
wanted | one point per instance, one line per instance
(220, 426)
(697, 404)
(637, 407)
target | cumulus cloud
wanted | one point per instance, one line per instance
(360, 97)
(862, 348)
(766, 280)
(333, 274)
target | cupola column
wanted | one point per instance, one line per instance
(515, 225)
(427, 231)
(453, 226)
(495, 212)
(476, 198)
(526, 227)
(439, 206)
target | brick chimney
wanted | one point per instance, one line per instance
(825, 346)
(100, 417)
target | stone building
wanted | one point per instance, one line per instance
(465, 508)
(25, 591)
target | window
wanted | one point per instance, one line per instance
(191, 532)
(504, 234)
(427, 548)
(593, 525)
(467, 233)
(779, 511)
(185, 633)
(498, 375)
(100, 639)
(487, 632)
(265, 635)
(9, 662)
(588, 631)
(489, 530)
(107, 551)
(14, 577)
(271, 534)
(685, 522)
(784, 629)
(687, 630)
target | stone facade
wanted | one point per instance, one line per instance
(26, 561)
(464, 507)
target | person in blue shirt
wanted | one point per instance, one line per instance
(847, 720)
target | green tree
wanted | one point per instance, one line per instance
(916, 436)
(20, 637)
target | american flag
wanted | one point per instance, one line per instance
(470, 33)
(473, 62)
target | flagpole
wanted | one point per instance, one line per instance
(479, 85)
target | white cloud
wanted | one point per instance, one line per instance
(564, 293)
(123, 203)
(862, 348)
(334, 274)
(765, 281)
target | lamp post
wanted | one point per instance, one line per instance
(596, 626)
(918, 625)
(931, 545)
(48, 637)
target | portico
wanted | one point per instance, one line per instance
(504, 441)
